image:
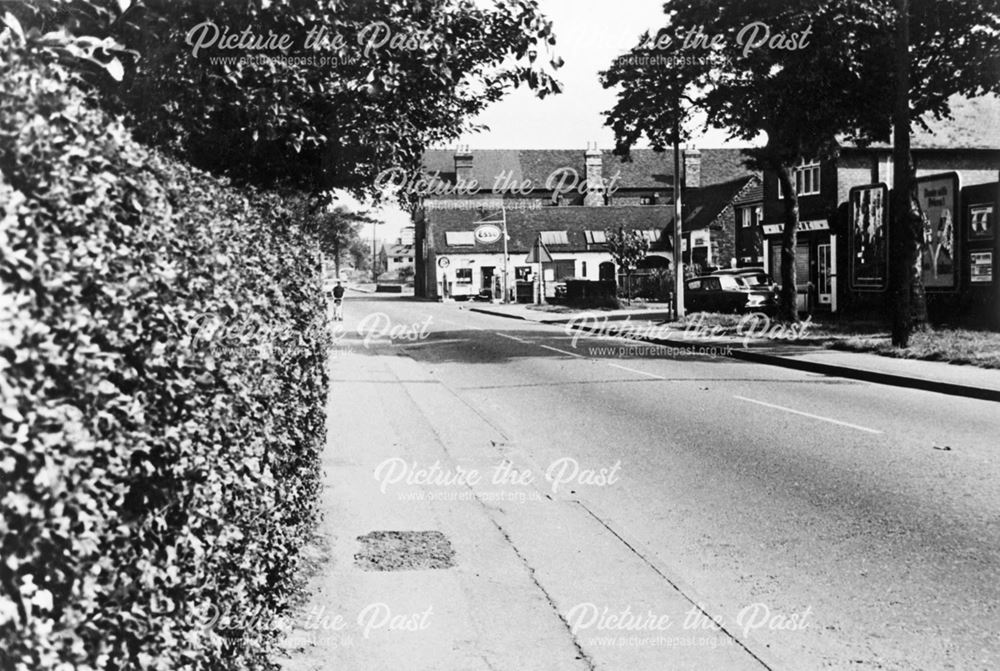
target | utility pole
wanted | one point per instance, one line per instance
(678, 257)
(902, 240)
(506, 258)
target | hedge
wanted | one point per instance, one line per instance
(154, 486)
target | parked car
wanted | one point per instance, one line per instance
(725, 292)
(755, 278)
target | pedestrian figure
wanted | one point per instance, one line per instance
(338, 303)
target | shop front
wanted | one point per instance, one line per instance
(815, 263)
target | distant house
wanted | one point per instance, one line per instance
(568, 199)
(395, 258)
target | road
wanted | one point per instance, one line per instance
(823, 523)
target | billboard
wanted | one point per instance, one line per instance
(868, 240)
(938, 198)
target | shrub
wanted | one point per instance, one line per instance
(148, 482)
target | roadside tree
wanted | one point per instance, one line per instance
(627, 248)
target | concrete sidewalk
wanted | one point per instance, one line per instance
(524, 558)
(806, 354)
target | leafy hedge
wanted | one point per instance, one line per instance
(148, 482)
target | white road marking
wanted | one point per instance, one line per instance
(806, 414)
(562, 351)
(510, 337)
(640, 372)
(453, 323)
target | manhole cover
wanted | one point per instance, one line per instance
(404, 551)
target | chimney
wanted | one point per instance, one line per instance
(463, 165)
(593, 160)
(692, 168)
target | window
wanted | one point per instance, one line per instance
(561, 270)
(397, 259)
(749, 236)
(409, 259)
(459, 238)
(750, 216)
(806, 178)
(463, 275)
(555, 237)
(651, 234)
(727, 282)
(583, 268)
(521, 273)
(595, 237)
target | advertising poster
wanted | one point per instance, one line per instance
(981, 222)
(869, 239)
(981, 267)
(938, 197)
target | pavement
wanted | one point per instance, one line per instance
(641, 508)
(786, 350)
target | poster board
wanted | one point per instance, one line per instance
(868, 237)
(938, 198)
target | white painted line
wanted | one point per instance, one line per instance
(806, 414)
(423, 343)
(453, 323)
(640, 372)
(562, 351)
(510, 337)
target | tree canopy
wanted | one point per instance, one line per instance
(312, 93)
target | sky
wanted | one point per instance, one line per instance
(588, 38)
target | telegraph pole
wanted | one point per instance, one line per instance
(678, 257)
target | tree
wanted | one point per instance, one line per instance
(627, 248)
(316, 94)
(750, 89)
(938, 50)
(338, 229)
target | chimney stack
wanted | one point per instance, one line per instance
(692, 168)
(463, 164)
(594, 162)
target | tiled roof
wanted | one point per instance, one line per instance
(975, 124)
(524, 226)
(398, 250)
(752, 193)
(722, 165)
(704, 205)
(647, 169)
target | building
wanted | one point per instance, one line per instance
(397, 259)
(843, 266)
(569, 199)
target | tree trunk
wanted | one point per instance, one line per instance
(902, 245)
(336, 256)
(789, 239)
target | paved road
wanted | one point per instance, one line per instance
(825, 523)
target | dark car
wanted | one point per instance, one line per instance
(755, 278)
(725, 292)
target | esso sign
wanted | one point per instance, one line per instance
(487, 233)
